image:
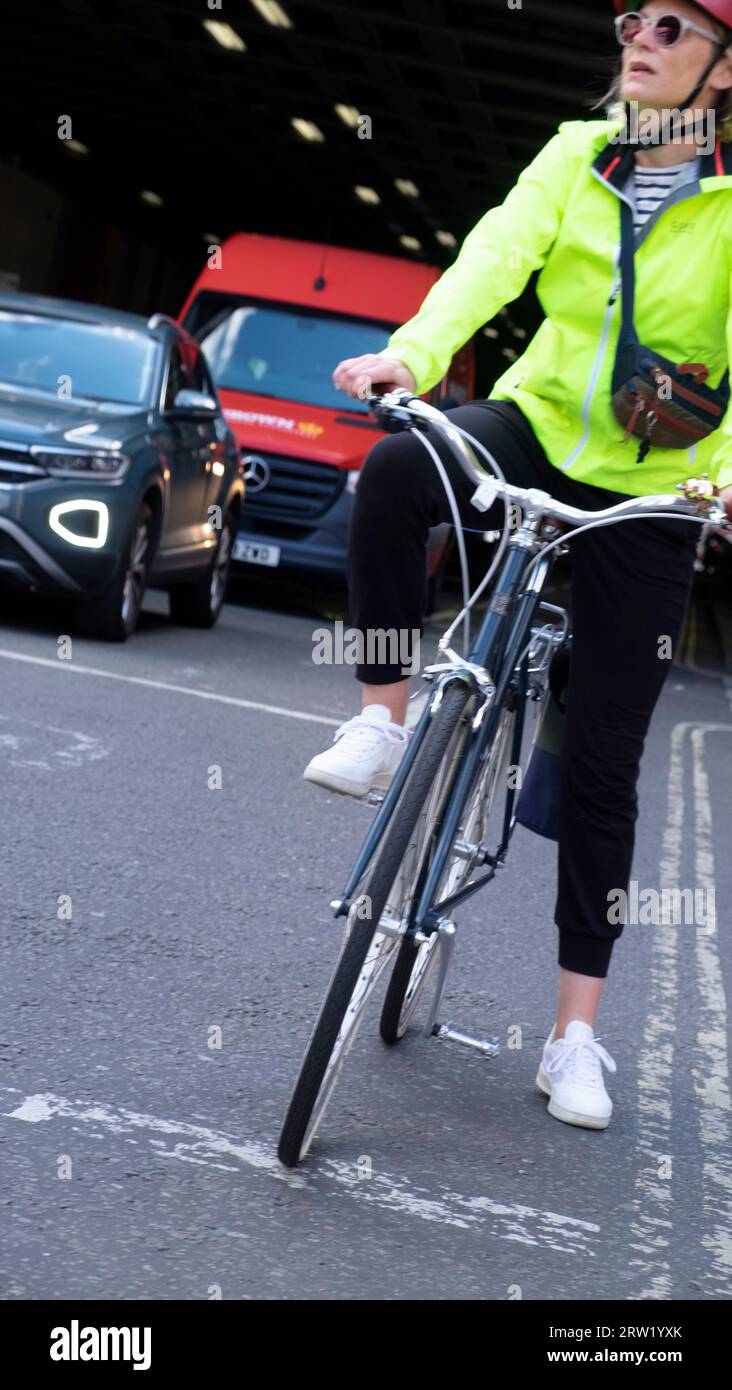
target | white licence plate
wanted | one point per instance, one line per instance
(256, 554)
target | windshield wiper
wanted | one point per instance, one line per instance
(269, 396)
(24, 389)
(46, 392)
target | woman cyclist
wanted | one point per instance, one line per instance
(549, 423)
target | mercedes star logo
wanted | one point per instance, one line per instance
(256, 472)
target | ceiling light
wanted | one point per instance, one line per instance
(446, 238)
(510, 353)
(307, 129)
(273, 13)
(405, 186)
(152, 199)
(410, 243)
(225, 35)
(491, 332)
(75, 147)
(367, 195)
(350, 115)
(211, 239)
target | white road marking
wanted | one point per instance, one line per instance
(77, 669)
(711, 1072)
(83, 748)
(197, 1144)
(652, 1225)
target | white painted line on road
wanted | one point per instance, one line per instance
(652, 1225)
(78, 670)
(199, 1145)
(711, 1074)
(85, 747)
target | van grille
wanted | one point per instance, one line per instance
(296, 493)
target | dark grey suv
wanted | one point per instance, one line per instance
(117, 468)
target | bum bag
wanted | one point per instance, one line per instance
(655, 399)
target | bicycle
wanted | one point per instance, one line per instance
(427, 850)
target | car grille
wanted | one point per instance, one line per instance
(296, 494)
(16, 465)
(14, 555)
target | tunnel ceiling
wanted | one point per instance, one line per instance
(460, 95)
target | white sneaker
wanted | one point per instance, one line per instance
(570, 1074)
(366, 753)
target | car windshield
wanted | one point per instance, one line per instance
(289, 354)
(73, 360)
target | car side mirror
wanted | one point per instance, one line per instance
(188, 402)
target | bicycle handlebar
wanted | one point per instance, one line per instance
(400, 409)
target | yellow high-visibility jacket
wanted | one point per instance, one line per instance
(562, 217)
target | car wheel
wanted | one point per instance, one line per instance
(199, 604)
(113, 616)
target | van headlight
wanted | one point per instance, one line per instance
(74, 462)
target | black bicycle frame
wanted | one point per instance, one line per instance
(498, 647)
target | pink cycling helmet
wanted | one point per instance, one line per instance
(719, 9)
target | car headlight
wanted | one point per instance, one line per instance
(72, 463)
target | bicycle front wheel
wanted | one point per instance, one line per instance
(366, 949)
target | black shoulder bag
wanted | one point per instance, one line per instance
(656, 400)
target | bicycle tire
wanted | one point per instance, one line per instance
(295, 1139)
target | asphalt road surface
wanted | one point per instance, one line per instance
(166, 943)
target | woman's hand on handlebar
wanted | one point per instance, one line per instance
(357, 375)
(702, 487)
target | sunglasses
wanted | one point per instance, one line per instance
(668, 29)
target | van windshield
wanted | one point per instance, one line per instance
(289, 354)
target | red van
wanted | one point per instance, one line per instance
(274, 317)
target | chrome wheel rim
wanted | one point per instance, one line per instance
(380, 951)
(135, 576)
(220, 571)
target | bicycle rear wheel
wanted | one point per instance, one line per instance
(366, 949)
(415, 961)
